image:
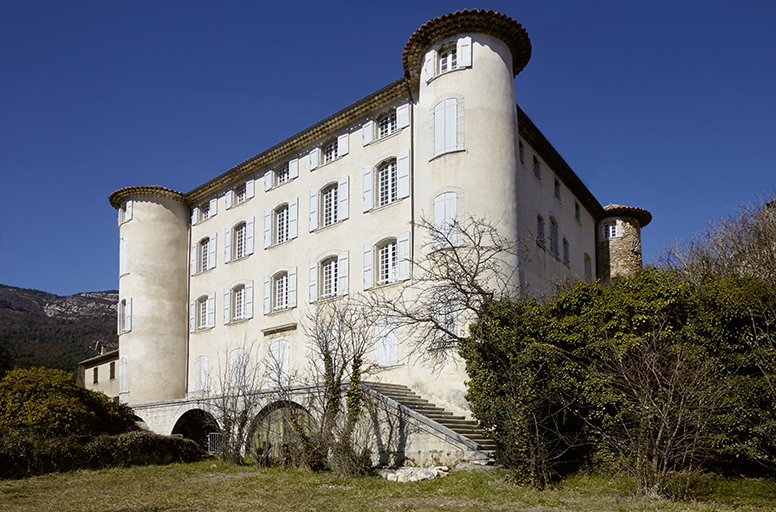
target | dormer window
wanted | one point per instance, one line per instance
(240, 194)
(386, 124)
(282, 175)
(330, 152)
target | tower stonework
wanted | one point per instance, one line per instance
(619, 241)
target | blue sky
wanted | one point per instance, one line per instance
(666, 105)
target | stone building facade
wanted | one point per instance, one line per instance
(235, 265)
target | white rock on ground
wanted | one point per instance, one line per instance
(413, 474)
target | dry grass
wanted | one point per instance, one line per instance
(210, 486)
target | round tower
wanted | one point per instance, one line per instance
(460, 68)
(618, 243)
(153, 320)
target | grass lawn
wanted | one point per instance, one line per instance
(213, 486)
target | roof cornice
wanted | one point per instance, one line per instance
(346, 117)
(118, 197)
(640, 214)
(477, 21)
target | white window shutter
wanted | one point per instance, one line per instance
(248, 303)
(250, 189)
(293, 215)
(268, 179)
(313, 281)
(123, 254)
(123, 375)
(403, 173)
(403, 115)
(369, 197)
(342, 273)
(403, 255)
(194, 215)
(439, 128)
(267, 295)
(368, 263)
(343, 144)
(464, 52)
(227, 245)
(292, 288)
(380, 343)
(211, 310)
(211, 252)
(368, 132)
(392, 352)
(128, 212)
(267, 228)
(229, 198)
(193, 259)
(451, 215)
(227, 305)
(313, 210)
(249, 227)
(213, 206)
(128, 314)
(451, 121)
(439, 221)
(293, 169)
(429, 65)
(192, 316)
(315, 158)
(342, 198)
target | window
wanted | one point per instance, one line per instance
(125, 212)
(445, 220)
(238, 302)
(123, 255)
(557, 189)
(447, 126)
(95, 375)
(521, 152)
(390, 258)
(237, 364)
(238, 241)
(553, 236)
(112, 370)
(204, 211)
(240, 194)
(537, 168)
(444, 310)
(125, 315)
(280, 224)
(539, 229)
(577, 214)
(588, 268)
(202, 312)
(281, 175)
(390, 183)
(278, 362)
(448, 57)
(123, 388)
(329, 205)
(609, 230)
(386, 342)
(280, 291)
(329, 278)
(387, 123)
(200, 374)
(330, 151)
(565, 251)
(203, 254)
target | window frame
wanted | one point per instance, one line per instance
(329, 278)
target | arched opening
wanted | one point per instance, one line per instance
(196, 424)
(275, 428)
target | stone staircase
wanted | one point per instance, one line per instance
(458, 424)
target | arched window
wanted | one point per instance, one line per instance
(238, 241)
(448, 58)
(281, 224)
(387, 180)
(329, 205)
(125, 315)
(387, 269)
(202, 312)
(200, 374)
(540, 229)
(329, 278)
(554, 236)
(203, 254)
(386, 124)
(280, 291)
(330, 151)
(387, 262)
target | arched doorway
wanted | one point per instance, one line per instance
(275, 427)
(197, 425)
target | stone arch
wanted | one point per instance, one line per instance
(273, 426)
(196, 424)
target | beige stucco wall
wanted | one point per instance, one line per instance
(155, 348)
(104, 383)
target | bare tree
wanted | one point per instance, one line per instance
(742, 243)
(236, 399)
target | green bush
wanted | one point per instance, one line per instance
(50, 403)
(33, 455)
